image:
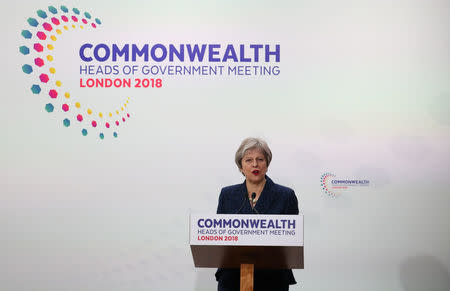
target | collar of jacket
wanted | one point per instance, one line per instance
(266, 197)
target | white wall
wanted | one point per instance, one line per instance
(363, 93)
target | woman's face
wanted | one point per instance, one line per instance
(254, 165)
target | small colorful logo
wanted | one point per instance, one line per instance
(324, 184)
(333, 186)
(41, 36)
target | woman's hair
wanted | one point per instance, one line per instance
(251, 143)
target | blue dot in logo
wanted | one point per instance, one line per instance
(49, 107)
(41, 14)
(36, 89)
(26, 33)
(27, 69)
(52, 9)
(32, 22)
(24, 50)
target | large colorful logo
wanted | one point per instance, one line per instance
(333, 187)
(41, 38)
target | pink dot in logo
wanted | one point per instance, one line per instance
(41, 35)
(74, 19)
(107, 125)
(84, 21)
(55, 21)
(80, 117)
(94, 123)
(64, 18)
(47, 26)
(117, 123)
(93, 25)
(38, 47)
(53, 93)
(39, 62)
(44, 78)
(65, 107)
(128, 115)
(123, 119)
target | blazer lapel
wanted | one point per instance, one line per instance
(239, 196)
(265, 200)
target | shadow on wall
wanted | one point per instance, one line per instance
(424, 272)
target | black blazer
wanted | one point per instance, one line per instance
(274, 199)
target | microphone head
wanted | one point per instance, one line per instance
(253, 195)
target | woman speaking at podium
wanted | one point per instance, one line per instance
(257, 195)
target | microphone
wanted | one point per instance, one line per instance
(253, 202)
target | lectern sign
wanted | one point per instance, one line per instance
(255, 230)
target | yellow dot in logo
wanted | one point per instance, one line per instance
(81, 26)
(58, 31)
(77, 105)
(125, 105)
(58, 83)
(65, 27)
(110, 114)
(50, 58)
(67, 95)
(117, 112)
(121, 108)
(100, 115)
(50, 47)
(53, 37)
(127, 100)
(52, 70)
(89, 111)
(73, 25)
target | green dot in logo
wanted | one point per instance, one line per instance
(66, 122)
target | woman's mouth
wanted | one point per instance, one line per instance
(255, 172)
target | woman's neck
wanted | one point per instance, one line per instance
(255, 188)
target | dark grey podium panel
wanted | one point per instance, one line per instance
(263, 257)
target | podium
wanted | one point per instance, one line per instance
(247, 242)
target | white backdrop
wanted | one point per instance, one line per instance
(363, 93)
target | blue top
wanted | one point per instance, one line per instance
(274, 199)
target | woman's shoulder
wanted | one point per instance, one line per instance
(229, 197)
(231, 189)
(280, 189)
(283, 189)
(285, 196)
